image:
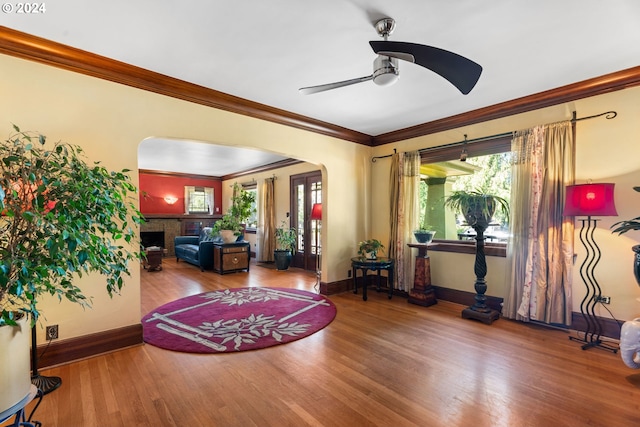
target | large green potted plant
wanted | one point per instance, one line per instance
(60, 218)
(242, 203)
(231, 225)
(622, 227)
(286, 238)
(478, 208)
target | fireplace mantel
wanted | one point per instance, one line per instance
(181, 216)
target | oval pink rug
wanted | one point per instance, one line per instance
(237, 320)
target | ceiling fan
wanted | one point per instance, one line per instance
(461, 72)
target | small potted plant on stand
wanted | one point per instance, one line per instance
(369, 248)
(230, 227)
(478, 208)
(285, 246)
(424, 234)
(60, 218)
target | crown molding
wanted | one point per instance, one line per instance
(259, 169)
(178, 174)
(264, 168)
(32, 48)
(597, 86)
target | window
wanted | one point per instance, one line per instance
(252, 222)
(198, 200)
(488, 166)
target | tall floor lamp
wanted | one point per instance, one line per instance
(590, 200)
(316, 215)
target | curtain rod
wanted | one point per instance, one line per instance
(608, 115)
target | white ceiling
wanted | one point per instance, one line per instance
(200, 158)
(264, 50)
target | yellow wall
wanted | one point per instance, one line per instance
(607, 151)
(109, 121)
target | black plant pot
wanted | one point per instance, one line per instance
(636, 263)
(282, 259)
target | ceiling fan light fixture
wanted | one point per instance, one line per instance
(461, 72)
(385, 71)
(386, 79)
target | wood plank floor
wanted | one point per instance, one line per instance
(379, 363)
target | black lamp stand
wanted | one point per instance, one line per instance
(43, 383)
(318, 254)
(318, 272)
(594, 293)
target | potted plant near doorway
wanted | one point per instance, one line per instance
(60, 218)
(286, 238)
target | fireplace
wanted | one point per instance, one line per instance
(165, 229)
(152, 238)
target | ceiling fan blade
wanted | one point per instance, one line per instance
(461, 72)
(321, 88)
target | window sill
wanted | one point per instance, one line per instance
(468, 247)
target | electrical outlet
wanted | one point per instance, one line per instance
(604, 300)
(52, 332)
(349, 274)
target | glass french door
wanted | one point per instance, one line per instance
(306, 190)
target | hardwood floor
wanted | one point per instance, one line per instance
(379, 363)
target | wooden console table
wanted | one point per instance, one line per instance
(422, 292)
(230, 257)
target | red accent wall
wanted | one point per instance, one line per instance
(154, 188)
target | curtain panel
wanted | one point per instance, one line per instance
(404, 184)
(208, 193)
(540, 250)
(267, 218)
(187, 198)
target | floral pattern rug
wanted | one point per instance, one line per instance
(238, 319)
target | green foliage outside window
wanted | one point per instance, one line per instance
(493, 177)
